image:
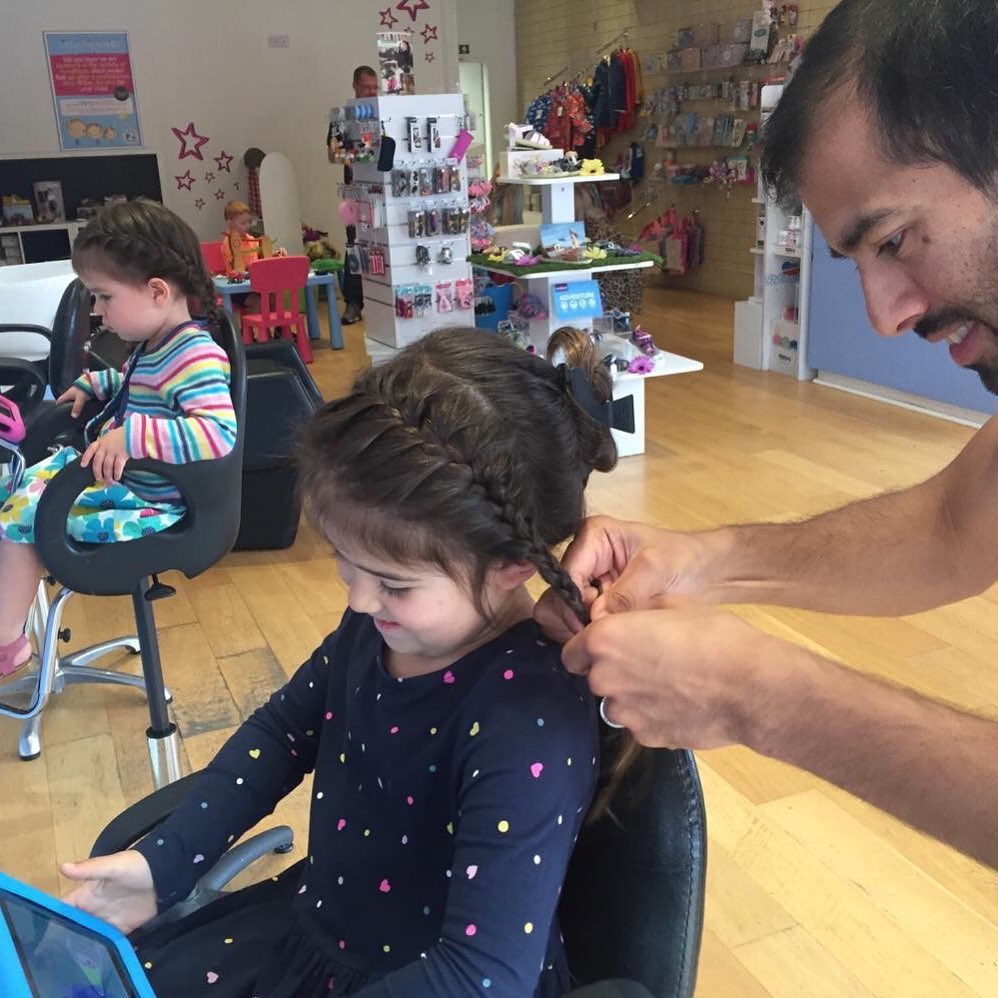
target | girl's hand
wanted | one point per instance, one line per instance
(280, 251)
(109, 455)
(77, 396)
(117, 888)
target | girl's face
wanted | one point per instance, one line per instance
(426, 618)
(240, 224)
(134, 312)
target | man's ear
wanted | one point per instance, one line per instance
(513, 574)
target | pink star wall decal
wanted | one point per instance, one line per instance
(185, 181)
(412, 7)
(189, 135)
(223, 159)
(219, 194)
(199, 203)
(209, 177)
(388, 19)
(429, 33)
(430, 57)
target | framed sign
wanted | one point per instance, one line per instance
(92, 89)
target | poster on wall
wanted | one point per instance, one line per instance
(92, 89)
(395, 62)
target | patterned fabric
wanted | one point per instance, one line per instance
(101, 514)
(444, 810)
(537, 113)
(176, 406)
(248, 246)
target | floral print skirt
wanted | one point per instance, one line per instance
(101, 514)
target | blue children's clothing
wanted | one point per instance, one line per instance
(444, 811)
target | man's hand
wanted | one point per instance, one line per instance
(636, 566)
(108, 455)
(693, 677)
(117, 888)
(77, 396)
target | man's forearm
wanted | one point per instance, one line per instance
(930, 765)
(894, 554)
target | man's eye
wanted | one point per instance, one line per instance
(892, 245)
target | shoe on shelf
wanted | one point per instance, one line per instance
(351, 314)
(525, 137)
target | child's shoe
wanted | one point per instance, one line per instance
(14, 656)
(643, 341)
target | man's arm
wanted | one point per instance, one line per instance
(702, 678)
(898, 553)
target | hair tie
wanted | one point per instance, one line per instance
(575, 382)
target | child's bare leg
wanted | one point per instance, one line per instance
(20, 571)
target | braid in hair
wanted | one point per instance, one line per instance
(139, 240)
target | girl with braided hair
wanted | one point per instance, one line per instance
(454, 759)
(171, 402)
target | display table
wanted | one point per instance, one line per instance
(627, 384)
(227, 289)
(558, 206)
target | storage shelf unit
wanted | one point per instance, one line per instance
(771, 326)
(37, 243)
(558, 206)
(392, 114)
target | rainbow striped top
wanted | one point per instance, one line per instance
(177, 406)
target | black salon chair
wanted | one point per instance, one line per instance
(211, 491)
(27, 380)
(281, 397)
(632, 907)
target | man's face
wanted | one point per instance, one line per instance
(924, 240)
(366, 86)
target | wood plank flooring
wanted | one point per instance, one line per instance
(811, 892)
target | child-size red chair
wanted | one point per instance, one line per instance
(213, 259)
(272, 279)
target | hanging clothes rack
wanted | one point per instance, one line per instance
(569, 70)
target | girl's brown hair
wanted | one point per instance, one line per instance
(462, 451)
(621, 750)
(138, 240)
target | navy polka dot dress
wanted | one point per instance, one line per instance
(444, 811)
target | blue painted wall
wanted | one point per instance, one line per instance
(841, 341)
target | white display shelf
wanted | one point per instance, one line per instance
(624, 384)
(580, 271)
(572, 178)
(558, 206)
(762, 330)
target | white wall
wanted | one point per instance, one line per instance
(488, 26)
(208, 61)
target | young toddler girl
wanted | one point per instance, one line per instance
(454, 758)
(143, 266)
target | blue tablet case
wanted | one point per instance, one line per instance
(49, 949)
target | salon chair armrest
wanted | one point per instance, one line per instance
(142, 817)
(112, 569)
(617, 988)
(27, 380)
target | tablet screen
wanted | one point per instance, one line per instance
(60, 958)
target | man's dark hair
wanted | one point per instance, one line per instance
(361, 71)
(927, 71)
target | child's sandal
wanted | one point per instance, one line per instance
(14, 656)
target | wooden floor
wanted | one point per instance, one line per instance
(811, 892)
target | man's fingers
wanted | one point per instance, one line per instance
(575, 655)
